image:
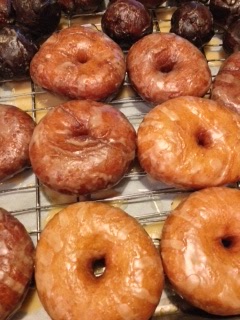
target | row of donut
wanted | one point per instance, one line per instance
(192, 20)
(83, 146)
(199, 255)
(82, 63)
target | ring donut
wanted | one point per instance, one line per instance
(165, 66)
(190, 142)
(225, 87)
(17, 263)
(80, 63)
(16, 129)
(200, 250)
(73, 242)
(80, 147)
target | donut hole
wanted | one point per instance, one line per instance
(167, 67)
(203, 138)
(98, 267)
(82, 58)
(228, 242)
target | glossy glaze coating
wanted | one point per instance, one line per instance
(6, 16)
(82, 146)
(16, 52)
(150, 4)
(79, 6)
(78, 237)
(40, 17)
(200, 250)
(16, 128)
(190, 142)
(164, 66)
(194, 22)
(126, 21)
(225, 11)
(231, 38)
(16, 263)
(79, 62)
(226, 89)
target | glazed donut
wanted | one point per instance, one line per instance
(200, 247)
(16, 128)
(17, 261)
(165, 66)
(73, 242)
(225, 87)
(80, 63)
(81, 147)
(190, 142)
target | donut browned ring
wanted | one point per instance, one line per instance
(162, 66)
(81, 147)
(80, 63)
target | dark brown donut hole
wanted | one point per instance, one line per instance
(225, 11)
(231, 38)
(6, 13)
(126, 21)
(194, 22)
(16, 52)
(79, 6)
(150, 4)
(39, 17)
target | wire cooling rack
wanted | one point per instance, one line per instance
(147, 200)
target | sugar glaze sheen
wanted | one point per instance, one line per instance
(82, 146)
(132, 282)
(200, 250)
(182, 143)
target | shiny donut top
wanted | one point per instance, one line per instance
(80, 63)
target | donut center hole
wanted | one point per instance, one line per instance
(82, 58)
(98, 267)
(228, 242)
(167, 67)
(203, 138)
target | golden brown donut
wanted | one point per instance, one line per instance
(73, 242)
(81, 147)
(16, 263)
(226, 89)
(190, 142)
(162, 66)
(200, 250)
(80, 63)
(16, 128)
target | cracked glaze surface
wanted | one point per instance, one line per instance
(16, 263)
(131, 285)
(165, 66)
(16, 129)
(200, 250)
(190, 142)
(80, 63)
(226, 86)
(82, 146)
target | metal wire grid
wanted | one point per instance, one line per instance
(158, 19)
